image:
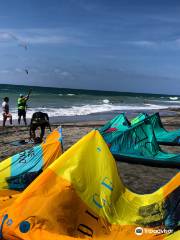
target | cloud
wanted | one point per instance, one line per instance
(5, 36)
(165, 18)
(4, 71)
(143, 43)
(57, 70)
(46, 39)
(40, 36)
(8, 36)
(65, 74)
(62, 73)
(177, 41)
(33, 70)
(173, 44)
(19, 70)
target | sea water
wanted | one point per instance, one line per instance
(83, 104)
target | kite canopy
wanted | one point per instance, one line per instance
(163, 136)
(80, 196)
(138, 144)
(118, 124)
(18, 171)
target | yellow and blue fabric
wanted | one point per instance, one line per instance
(18, 171)
(80, 196)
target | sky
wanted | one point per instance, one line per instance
(121, 45)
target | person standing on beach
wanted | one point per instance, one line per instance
(5, 111)
(22, 107)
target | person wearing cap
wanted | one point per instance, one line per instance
(5, 111)
(22, 107)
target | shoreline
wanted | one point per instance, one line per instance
(101, 116)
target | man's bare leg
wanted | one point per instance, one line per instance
(4, 120)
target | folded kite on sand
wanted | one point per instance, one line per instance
(139, 145)
(121, 123)
(80, 196)
(18, 171)
(163, 136)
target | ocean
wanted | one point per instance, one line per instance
(74, 105)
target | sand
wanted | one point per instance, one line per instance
(138, 178)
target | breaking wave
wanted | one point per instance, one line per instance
(173, 98)
(86, 109)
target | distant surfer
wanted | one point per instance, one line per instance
(39, 119)
(5, 111)
(22, 107)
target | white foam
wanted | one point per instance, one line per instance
(87, 109)
(106, 101)
(68, 94)
(173, 98)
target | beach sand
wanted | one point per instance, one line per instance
(138, 178)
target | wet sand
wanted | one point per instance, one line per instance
(138, 178)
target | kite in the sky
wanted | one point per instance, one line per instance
(9, 36)
(27, 71)
(24, 45)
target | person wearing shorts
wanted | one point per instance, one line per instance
(5, 111)
(22, 106)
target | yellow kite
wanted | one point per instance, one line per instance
(80, 196)
(18, 171)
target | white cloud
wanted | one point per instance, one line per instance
(177, 41)
(19, 70)
(46, 39)
(39, 36)
(4, 71)
(33, 70)
(5, 36)
(161, 44)
(57, 70)
(62, 73)
(142, 43)
(65, 74)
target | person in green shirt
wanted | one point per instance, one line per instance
(22, 107)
